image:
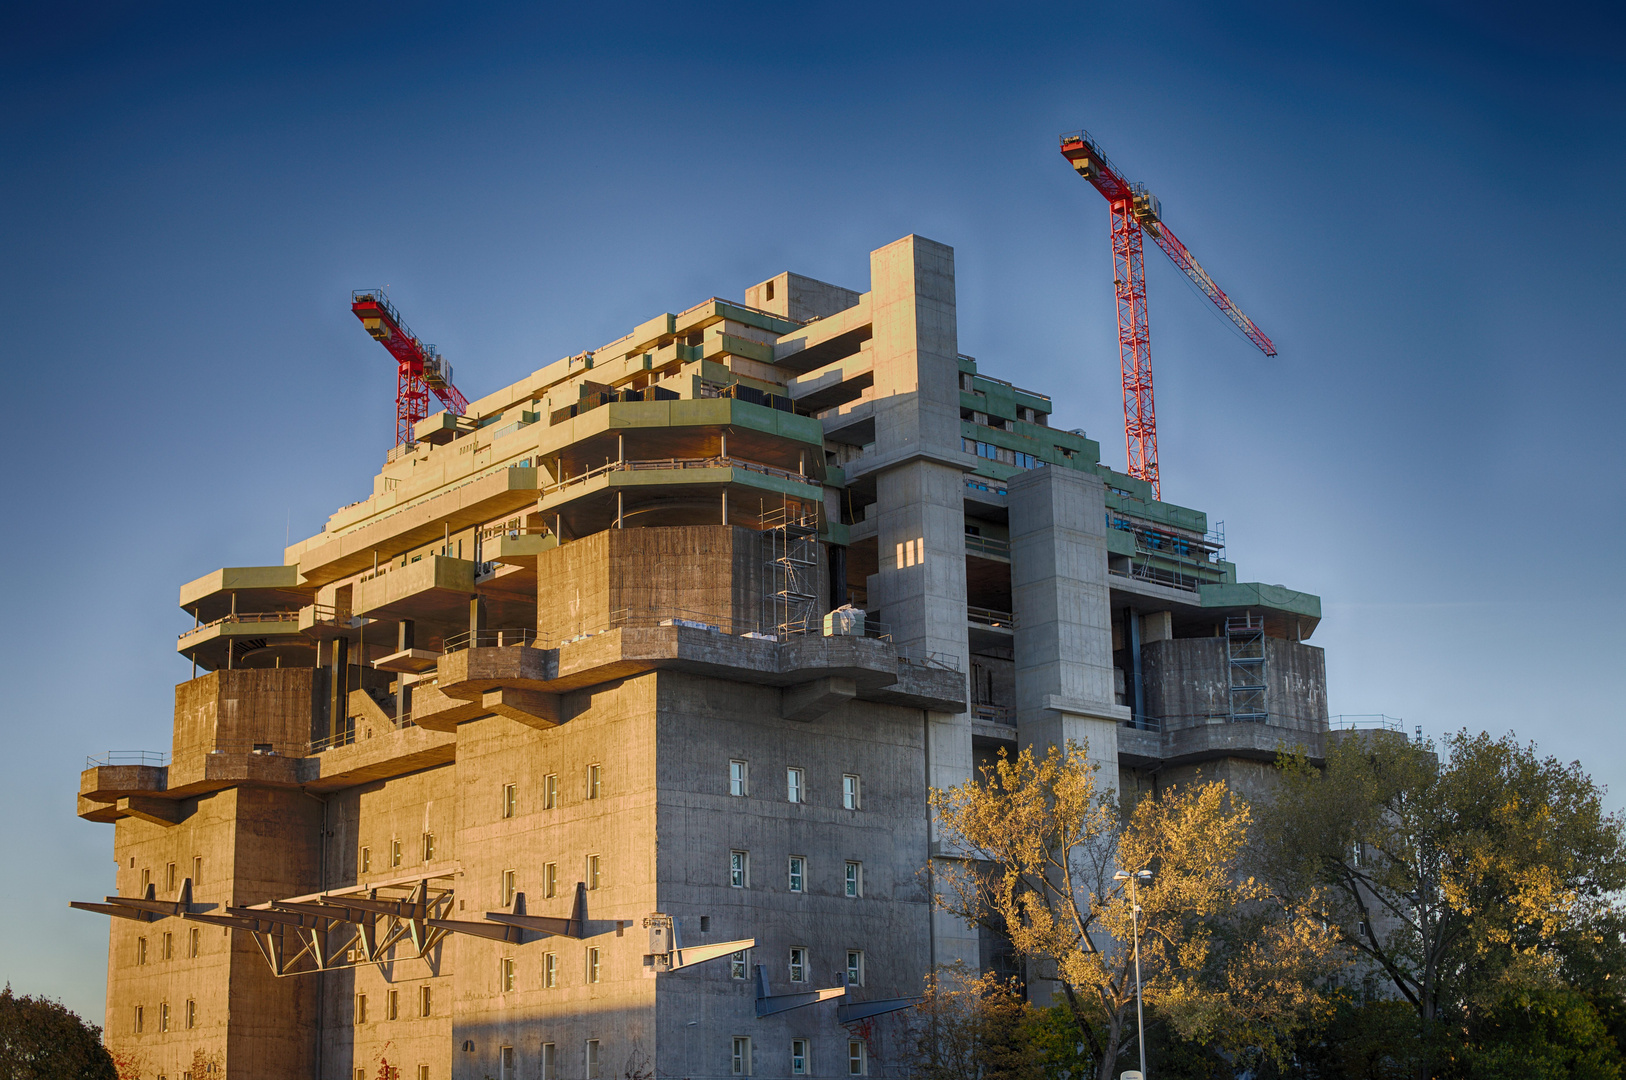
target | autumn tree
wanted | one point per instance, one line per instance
(1458, 878)
(1218, 959)
(973, 1025)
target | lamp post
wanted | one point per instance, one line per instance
(1139, 877)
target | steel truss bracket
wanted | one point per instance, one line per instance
(768, 1004)
(850, 1011)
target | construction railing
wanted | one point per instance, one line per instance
(988, 545)
(999, 620)
(679, 463)
(487, 639)
(128, 757)
(997, 714)
(244, 617)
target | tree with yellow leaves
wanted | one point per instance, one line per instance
(1043, 843)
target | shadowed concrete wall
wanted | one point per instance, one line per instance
(1188, 680)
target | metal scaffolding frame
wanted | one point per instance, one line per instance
(1245, 666)
(791, 590)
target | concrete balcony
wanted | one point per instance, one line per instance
(248, 639)
(434, 588)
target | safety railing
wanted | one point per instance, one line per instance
(988, 545)
(678, 463)
(995, 714)
(127, 757)
(999, 620)
(244, 617)
(979, 484)
(487, 639)
(1355, 721)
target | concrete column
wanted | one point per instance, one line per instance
(1064, 674)
(920, 489)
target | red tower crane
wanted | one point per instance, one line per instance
(1134, 209)
(419, 368)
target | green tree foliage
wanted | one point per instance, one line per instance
(1458, 880)
(41, 1039)
(1537, 1033)
(969, 1026)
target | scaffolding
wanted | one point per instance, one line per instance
(792, 567)
(1245, 663)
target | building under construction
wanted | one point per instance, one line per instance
(595, 740)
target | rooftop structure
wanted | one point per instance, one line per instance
(596, 740)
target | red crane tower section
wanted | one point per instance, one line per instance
(1134, 211)
(420, 370)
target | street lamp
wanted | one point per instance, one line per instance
(1139, 877)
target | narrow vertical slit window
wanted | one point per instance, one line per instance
(595, 781)
(739, 869)
(550, 879)
(794, 786)
(593, 875)
(550, 796)
(797, 874)
(738, 778)
(510, 800)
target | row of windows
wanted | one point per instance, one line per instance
(172, 880)
(796, 874)
(392, 1004)
(798, 968)
(739, 785)
(426, 847)
(741, 1062)
(592, 876)
(189, 1016)
(166, 946)
(1001, 454)
(592, 788)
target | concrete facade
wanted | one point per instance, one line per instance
(446, 785)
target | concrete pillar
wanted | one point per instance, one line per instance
(920, 490)
(1064, 672)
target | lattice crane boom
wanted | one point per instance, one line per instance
(1135, 210)
(420, 369)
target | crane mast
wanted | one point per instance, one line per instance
(420, 369)
(1135, 211)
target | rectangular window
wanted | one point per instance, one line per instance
(166, 946)
(741, 1059)
(169, 877)
(163, 1016)
(592, 871)
(392, 1005)
(505, 974)
(197, 870)
(508, 887)
(857, 1058)
(798, 873)
(793, 785)
(739, 775)
(361, 1008)
(140, 1019)
(550, 1071)
(738, 964)
(854, 884)
(592, 1059)
(428, 847)
(550, 879)
(365, 860)
(361, 1074)
(850, 792)
(146, 879)
(798, 1057)
(550, 796)
(395, 852)
(141, 950)
(739, 869)
(423, 1072)
(191, 1013)
(193, 940)
(855, 967)
(425, 999)
(505, 1062)
(595, 781)
(592, 965)
(550, 970)
(510, 799)
(798, 964)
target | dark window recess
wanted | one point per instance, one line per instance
(705, 920)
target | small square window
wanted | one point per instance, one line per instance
(798, 964)
(425, 999)
(550, 970)
(740, 1060)
(593, 878)
(592, 1059)
(510, 800)
(798, 1057)
(739, 775)
(550, 879)
(507, 887)
(550, 796)
(595, 781)
(505, 974)
(798, 873)
(853, 886)
(855, 967)
(793, 785)
(739, 964)
(850, 792)
(739, 869)
(592, 964)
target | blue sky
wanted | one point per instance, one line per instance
(1420, 203)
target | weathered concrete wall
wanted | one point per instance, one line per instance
(233, 710)
(1187, 680)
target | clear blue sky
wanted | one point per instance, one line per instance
(1420, 203)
